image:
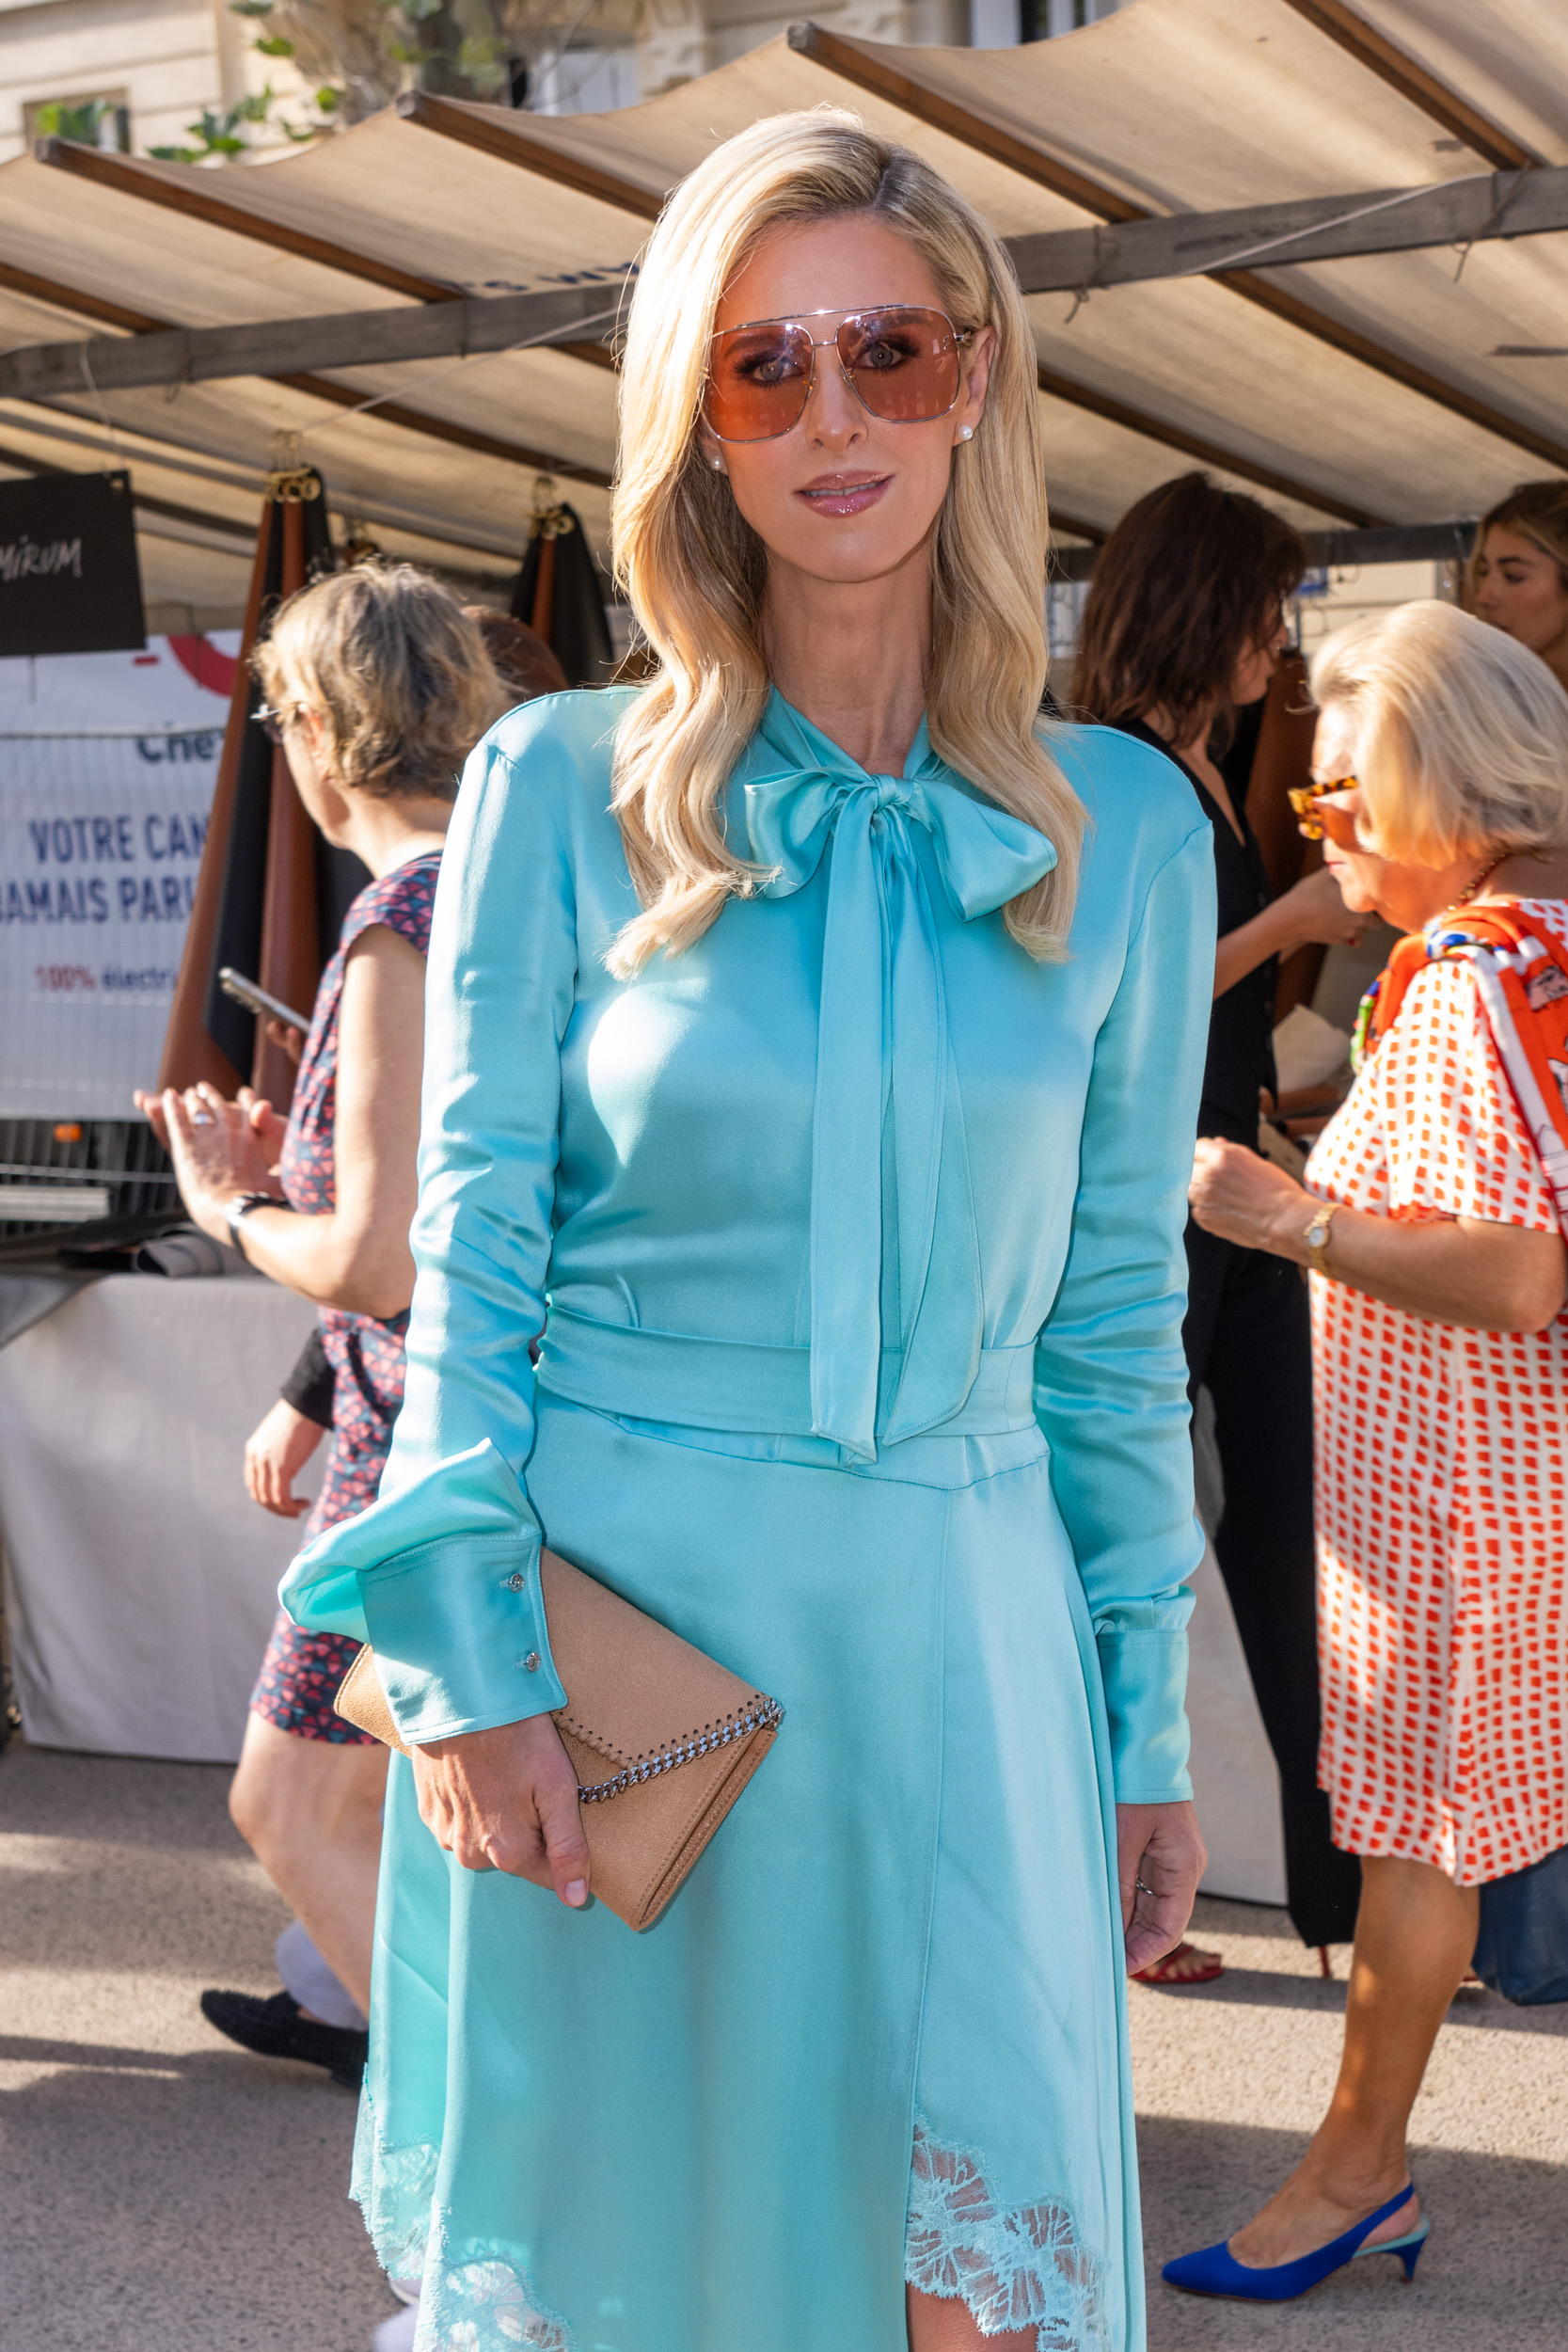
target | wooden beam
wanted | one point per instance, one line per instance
(494, 131)
(363, 337)
(321, 388)
(175, 456)
(1414, 379)
(597, 354)
(868, 69)
(193, 194)
(458, 436)
(1318, 229)
(1193, 445)
(82, 305)
(857, 65)
(1436, 99)
(1096, 534)
(275, 347)
(1400, 543)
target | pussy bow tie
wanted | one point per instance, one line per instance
(882, 1035)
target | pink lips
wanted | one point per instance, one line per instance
(843, 494)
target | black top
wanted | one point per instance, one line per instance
(1240, 1027)
(310, 1388)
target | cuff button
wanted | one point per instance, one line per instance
(530, 1663)
(517, 1582)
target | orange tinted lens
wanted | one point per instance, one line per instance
(904, 364)
(758, 378)
(1336, 820)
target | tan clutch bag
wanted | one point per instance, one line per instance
(662, 1739)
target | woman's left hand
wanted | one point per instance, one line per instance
(1161, 1856)
(216, 1154)
(1244, 1197)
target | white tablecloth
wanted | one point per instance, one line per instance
(142, 1580)
(1235, 1780)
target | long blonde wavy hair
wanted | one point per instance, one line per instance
(695, 571)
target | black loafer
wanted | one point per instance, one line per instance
(275, 2028)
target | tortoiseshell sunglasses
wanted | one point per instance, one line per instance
(1314, 820)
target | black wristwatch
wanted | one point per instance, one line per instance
(240, 1208)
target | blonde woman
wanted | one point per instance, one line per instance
(1519, 571)
(1432, 1217)
(379, 685)
(818, 1043)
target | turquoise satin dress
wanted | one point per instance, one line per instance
(856, 1239)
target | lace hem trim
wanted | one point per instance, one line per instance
(473, 2296)
(392, 2188)
(1016, 2266)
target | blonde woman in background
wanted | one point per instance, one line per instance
(820, 1040)
(1433, 1218)
(379, 685)
(1519, 571)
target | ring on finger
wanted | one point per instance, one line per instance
(1143, 1886)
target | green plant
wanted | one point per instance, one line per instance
(82, 123)
(220, 136)
(359, 55)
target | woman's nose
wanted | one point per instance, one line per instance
(833, 416)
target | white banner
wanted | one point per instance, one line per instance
(107, 763)
(100, 836)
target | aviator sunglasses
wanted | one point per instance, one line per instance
(901, 364)
(1315, 814)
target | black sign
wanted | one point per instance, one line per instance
(69, 582)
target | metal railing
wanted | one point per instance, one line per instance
(65, 1171)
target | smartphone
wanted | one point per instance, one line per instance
(255, 1000)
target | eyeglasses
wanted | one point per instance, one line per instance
(272, 723)
(1316, 815)
(902, 365)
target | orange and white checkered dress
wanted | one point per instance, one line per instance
(1441, 1473)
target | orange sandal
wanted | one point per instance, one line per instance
(1177, 1967)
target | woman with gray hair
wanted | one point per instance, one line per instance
(1433, 1220)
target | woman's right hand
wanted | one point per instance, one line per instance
(1316, 914)
(507, 1800)
(275, 1451)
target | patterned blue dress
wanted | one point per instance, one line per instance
(301, 1672)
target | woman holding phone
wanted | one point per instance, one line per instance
(378, 685)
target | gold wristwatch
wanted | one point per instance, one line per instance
(1316, 1235)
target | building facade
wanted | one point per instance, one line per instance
(138, 74)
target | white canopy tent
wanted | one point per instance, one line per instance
(1393, 387)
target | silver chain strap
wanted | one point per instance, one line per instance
(756, 1718)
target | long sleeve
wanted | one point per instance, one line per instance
(1110, 1376)
(441, 1572)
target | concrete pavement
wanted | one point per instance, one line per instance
(161, 2191)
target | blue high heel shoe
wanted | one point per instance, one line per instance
(1214, 2270)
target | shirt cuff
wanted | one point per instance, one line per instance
(1145, 1675)
(460, 1635)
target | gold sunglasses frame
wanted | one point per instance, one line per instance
(961, 335)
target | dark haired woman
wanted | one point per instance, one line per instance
(1184, 624)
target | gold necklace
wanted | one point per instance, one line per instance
(1470, 889)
